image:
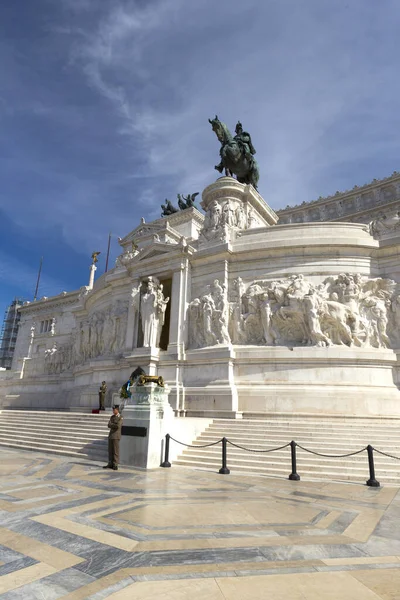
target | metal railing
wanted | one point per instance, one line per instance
(293, 476)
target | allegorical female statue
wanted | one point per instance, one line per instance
(152, 311)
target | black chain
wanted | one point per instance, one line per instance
(251, 450)
(190, 445)
(385, 454)
(285, 446)
(331, 455)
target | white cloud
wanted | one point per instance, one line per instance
(291, 86)
(314, 82)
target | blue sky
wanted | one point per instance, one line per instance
(104, 108)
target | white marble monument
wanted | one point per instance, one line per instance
(240, 315)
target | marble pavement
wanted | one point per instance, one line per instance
(70, 530)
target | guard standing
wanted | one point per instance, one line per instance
(102, 395)
(114, 425)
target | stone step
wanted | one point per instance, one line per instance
(68, 444)
(284, 466)
(285, 437)
(326, 436)
(63, 433)
(297, 427)
(385, 478)
(97, 432)
(92, 420)
(39, 435)
(275, 458)
(59, 451)
(54, 413)
(313, 418)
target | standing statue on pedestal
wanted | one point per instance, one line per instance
(152, 312)
(237, 153)
(102, 395)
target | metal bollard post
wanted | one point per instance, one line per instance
(294, 476)
(372, 482)
(224, 469)
(166, 462)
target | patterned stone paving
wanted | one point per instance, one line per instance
(70, 530)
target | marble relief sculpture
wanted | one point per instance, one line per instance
(126, 257)
(387, 224)
(153, 305)
(344, 310)
(102, 333)
(220, 219)
(208, 316)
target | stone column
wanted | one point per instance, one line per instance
(93, 269)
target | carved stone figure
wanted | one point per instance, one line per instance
(347, 310)
(385, 225)
(240, 216)
(53, 327)
(126, 257)
(208, 317)
(235, 316)
(135, 297)
(215, 216)
(162, 307)
(152, 312)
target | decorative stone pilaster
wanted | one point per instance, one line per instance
(179, 302)
(133, 317)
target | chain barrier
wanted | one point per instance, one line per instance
(331, 455)
(251, 450)
(294, 476)
(386, 454)
(191, 446)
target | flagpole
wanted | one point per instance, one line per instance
(38, 278)
(108, 251)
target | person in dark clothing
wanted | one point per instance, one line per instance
(114, 425)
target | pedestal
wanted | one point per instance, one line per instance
(148, 417)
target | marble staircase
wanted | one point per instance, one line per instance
(64, 433)
(329, 435)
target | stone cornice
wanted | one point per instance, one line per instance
(50, 304)
(165, 224)
(340, 196)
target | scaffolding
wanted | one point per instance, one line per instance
(9, 331)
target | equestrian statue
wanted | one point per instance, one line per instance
(237, 153)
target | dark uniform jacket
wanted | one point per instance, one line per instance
(114, 425)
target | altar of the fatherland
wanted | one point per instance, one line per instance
(241, 316)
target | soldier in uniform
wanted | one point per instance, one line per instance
(114, 425)
(102, 395)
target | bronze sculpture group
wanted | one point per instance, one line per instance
(237, 158)
(184, 202)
